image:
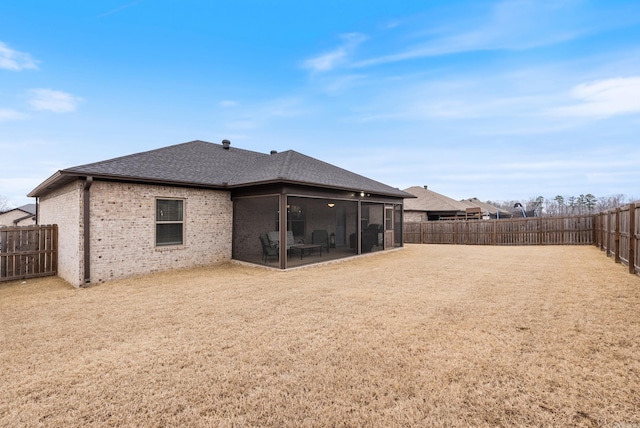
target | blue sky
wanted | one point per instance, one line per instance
(498, 100)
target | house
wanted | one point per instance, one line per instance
(429, 205)
(21, 216)
(488, 210)
(200, 203)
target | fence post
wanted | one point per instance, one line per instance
(632, 238)
(455, 232)
(609, 220)
(467, 234)
(540, 238)
(617, 237)
(601, 224)
(495, 232)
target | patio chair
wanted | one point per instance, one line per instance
(274, 238)
(268, 249)
(320, 237)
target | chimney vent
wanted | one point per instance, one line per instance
(273, 152)
(226, 144)
(425, 187)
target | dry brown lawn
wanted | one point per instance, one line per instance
(425, 336)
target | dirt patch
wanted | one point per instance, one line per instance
(426, 336)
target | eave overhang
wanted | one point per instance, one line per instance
(63, 177)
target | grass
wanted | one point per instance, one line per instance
(425, 336)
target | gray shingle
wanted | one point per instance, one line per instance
(208, 164)
(196, 162)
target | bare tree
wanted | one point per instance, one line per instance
(535, 205)
(4, 205)
(610, 202)
(567, 205)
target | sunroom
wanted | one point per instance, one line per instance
(316, 225)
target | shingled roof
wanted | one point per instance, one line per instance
(487, 207)
(428, 200)
(203, 164)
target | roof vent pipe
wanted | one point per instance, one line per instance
(425, 187)
(226, 144)
(274, 152)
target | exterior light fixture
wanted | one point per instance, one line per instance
(331, 205)
(362, 194)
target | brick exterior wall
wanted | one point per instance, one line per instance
(123, 230)
(8, 218)
(414, 216)
(64, 207)
(122, 220)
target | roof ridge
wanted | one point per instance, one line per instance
(286, 164)
(159, 149)
(202, 163)
(119, 158)
(239, 172)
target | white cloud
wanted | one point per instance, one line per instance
(328, 61)
(259, 115)
(9, 114)
(55, 101)
(11, 59)
(284, 107)
(119, 8)
(241, 124)
(570, 164)
(506, 25)
(603, 98)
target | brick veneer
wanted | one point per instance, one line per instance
(414, 216)
(122, 219)
(63, 207)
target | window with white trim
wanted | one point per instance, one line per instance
(169, 222)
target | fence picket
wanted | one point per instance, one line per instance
(615, 232)
(28, 252)
(526, 231)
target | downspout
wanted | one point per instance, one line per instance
(86, 199)
(359, 229)
(37, 210)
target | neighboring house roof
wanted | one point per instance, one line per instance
(25, 217)
(27, 209)
(203, 164)
(16, 215)
(428, 200)
(475, 202)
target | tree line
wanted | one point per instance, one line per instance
(564, 205)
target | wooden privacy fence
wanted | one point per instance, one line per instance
(28, 252)
(576, 230)
(618, 234)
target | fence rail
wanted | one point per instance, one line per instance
(28, 252)
(576, 230)
(616, 232)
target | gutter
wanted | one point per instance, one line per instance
(45, 185)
